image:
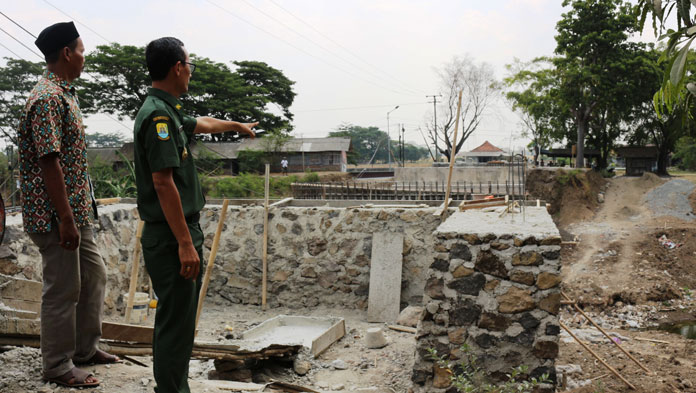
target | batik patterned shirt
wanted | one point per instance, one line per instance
(52, 123)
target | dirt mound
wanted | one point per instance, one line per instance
(627, 212)
(572, 194)
(334, 177)
(678, 262)
(649, 180)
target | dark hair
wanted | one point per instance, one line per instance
(53, 57)
(161, 54)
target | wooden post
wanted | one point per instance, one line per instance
(265, 238)
(211, 260)
(452, 157)
(134, 270)
(610, 368)
(578, 309)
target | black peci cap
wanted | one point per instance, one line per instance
(56, 37)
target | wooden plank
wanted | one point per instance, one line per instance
(20, 327)
(385, 277)
(474, 202)
(281, 202)
(481, 205)
(20, 289)
(14, 313)
(232, 386)
(404, 329)
(108, 201)
(333, 334)
(126, 332)
(24, 305)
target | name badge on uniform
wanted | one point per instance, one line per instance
(162, 131)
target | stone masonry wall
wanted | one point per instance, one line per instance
(316, 256)
(498, 293)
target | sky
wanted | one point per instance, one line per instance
(352, 61)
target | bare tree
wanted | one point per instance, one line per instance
(480, 88)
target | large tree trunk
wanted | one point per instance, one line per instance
(580, 144)
(662, 159)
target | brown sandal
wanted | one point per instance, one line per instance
(75, 378)
(101, 357)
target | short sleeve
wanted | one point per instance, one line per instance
(159, 140)
(47, 125)
(189, 124)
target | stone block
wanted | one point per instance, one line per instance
(515, 300)
(530, 258)
(410, 316)
(385, 277)
(470, 285)
(526, 278)
(546, 349)
(471, 239)
(440, 264)
(496, 322)
(551, 303)
(460, 251)
(464, 313)
(434, 288)
(548, 280)
(489, 263)
(457, 336)
(499, 246)
(462, 271)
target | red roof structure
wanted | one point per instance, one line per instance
(487, 147)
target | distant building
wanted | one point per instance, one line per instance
(639, 159)
(484, 153)
(315, 154)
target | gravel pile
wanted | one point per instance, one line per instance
(20, 370)
(671, 199)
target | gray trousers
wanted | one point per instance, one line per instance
(72, 301)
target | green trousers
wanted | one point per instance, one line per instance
(175, 318)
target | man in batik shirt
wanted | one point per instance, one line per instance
(57, 212)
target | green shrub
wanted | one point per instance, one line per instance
(310, 177)
(248, 185)
(467, 376)
(685, 152)
(253, 161)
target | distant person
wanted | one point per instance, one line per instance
(58, 210)
(169, 201)
(284, 165)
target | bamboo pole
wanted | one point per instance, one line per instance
(265, 238)
(578, 309)
(610, 368)
(135, 267)
(211, 261)
(452, 156)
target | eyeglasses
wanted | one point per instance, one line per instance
(192, 66)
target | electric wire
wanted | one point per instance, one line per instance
(320, 45)
(21, 43)
(304, 51)
(69, 16)
(9, 50)
(338, 44)
(18, 25)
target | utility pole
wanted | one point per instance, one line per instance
(403, 146)
(388, 137)
(437, 155)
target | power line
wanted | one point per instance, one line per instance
(338, 44)
(21, 43)
(88, 28)
(18, 25)
(10, 50)
(302, 50)
(354, 107)
(319, 45)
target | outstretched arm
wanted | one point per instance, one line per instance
(209, 125)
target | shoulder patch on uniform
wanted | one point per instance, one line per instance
(162, 131)
(165, 118)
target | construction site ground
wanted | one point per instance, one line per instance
(614, 266)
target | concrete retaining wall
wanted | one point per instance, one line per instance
(493, 174)
(316, 255)
(494, 287)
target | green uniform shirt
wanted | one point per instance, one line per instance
(161, 137)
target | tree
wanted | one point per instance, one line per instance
(480, 88)
(591, 40)
(111, 139)
(369, 143)
(685, 153)
(674, 87)
(530, 95)
(254, 91)
(17, 79)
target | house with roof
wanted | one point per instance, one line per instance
(485, 153)
(314, 154)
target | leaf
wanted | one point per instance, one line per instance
(677, 72)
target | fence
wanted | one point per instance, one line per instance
(399, 190)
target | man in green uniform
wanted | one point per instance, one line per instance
(169, 201)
